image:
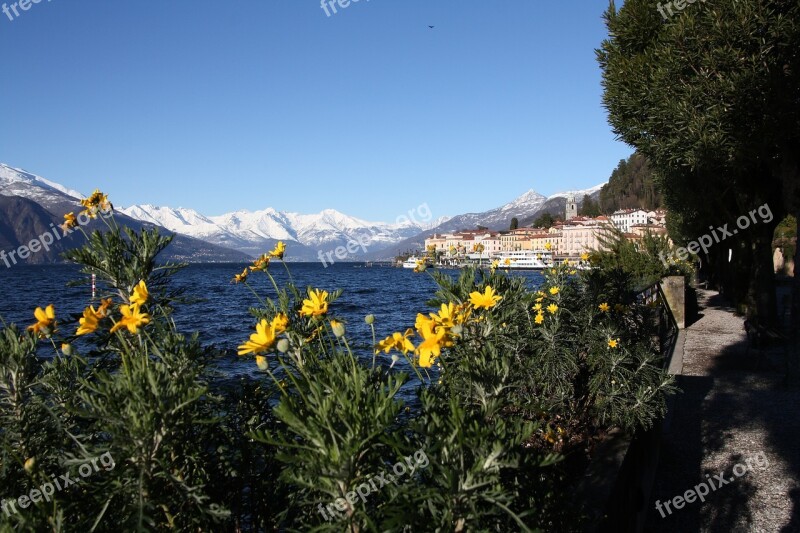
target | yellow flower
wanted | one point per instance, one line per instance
(431, 346)
(45, 321)
(89, 322)
(552, 308)
(539, 318)
(548, 246)
(140, 294)
(619, 308)
(537, 307)
(95, 202)
(262, 263)
(316, 304)
(280, 323)
(132, 318)
(261, 341)
(446, 317)
(495, 264)
(424, 322)
(604, 307)
(398, 341)
(278, 251)
(486, 300)
(584, 256)
(613, 343)
(102, 311)
(239, 278)
(70, 221)
(507, 261)
(554, 290)
(97, 199)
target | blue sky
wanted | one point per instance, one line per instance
(221, 106)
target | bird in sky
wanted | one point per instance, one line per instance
(431, 27)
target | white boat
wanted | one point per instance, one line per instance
(413, 262)
(524, 259)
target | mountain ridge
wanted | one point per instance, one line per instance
(253, 232)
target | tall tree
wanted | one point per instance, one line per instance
(589, 207)
(514, 223)
(545, 220)
(711, 96)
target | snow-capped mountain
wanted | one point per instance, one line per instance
(31, 205)
(17, 182)
(255, 232)
(578, 194)
(498, 218)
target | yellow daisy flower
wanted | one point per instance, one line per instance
(316, 304)
(486, 300)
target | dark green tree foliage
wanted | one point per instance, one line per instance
(545, 220)
(589, 208)
(514, 223)
(711, 97)
(631, 185)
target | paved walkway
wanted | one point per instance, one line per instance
(734, 408)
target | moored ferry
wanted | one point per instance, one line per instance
(524, 259)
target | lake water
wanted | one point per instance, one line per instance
(393, 295)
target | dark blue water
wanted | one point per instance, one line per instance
(393, 295)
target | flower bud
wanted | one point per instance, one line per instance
(369, 319)
(66, 349)
(283, 345)
(337, 328)
(29, 464)
(261, 362)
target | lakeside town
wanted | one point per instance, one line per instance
(570, 239)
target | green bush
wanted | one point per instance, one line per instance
(513, 385)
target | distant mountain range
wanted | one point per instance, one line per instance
(255, 232)
(239, 235)
(31, 205)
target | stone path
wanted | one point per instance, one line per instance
(734, 408)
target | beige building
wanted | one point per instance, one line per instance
(582, 234)
(569, 239)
